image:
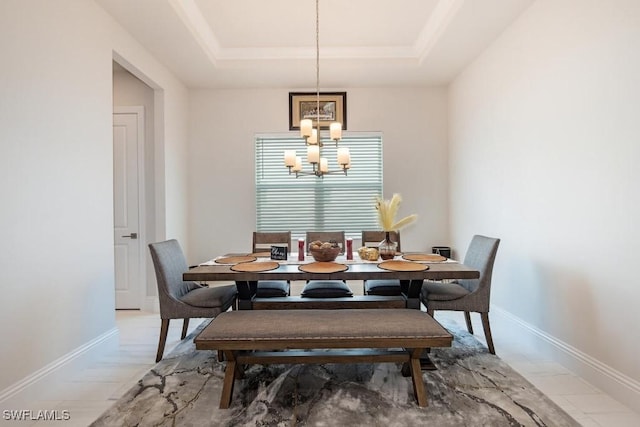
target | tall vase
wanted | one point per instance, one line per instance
(387, 247)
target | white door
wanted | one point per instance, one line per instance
(127, 142)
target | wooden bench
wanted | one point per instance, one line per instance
(339, 336)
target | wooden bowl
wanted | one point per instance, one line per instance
(324, 254)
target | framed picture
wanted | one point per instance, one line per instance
(303, 105)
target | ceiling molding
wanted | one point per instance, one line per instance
(428, 42)
(442, 15)
(191, 15)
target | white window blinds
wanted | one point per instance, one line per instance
(308, 203)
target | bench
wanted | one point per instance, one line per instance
(337, 336)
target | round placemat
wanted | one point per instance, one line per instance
(323, 267)
(235, 259)
(424, 257)
(256, 266)
(398, 265)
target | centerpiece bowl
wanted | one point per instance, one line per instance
(324, 254)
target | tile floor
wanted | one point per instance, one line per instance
(96, 388)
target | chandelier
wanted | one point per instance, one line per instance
(313, 137)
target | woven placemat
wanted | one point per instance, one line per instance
(256, 266)
(424, 257)
(398, 265)
(264, 254)
(235, 259)
(323, 267)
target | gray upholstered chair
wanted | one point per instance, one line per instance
(384, 287)
(471, 295)
(326, 288)
(180, 299)
(262, 242)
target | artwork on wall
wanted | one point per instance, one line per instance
(304, 105)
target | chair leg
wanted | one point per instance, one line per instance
(467, 318)
(164, 329)
(430, 312)
(185, 326)
(487, 332)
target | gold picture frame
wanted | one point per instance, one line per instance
(303, 105)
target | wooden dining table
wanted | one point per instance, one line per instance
(411, 281)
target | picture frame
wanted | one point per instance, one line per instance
(302, 105)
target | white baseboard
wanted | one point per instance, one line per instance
(616, 384)
(34, 386)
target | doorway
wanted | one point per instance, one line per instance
(134, 92)
(128, 206)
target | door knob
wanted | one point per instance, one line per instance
(131, 236)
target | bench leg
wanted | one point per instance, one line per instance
(416, 377)
(227, 385)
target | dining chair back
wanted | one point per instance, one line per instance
(262, 242)
(181, 299)
(381, 287)
(326, 236)
(326, 288)
(469, 295)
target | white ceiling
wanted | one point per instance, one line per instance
(271, 43)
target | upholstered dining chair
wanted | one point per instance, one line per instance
(180, 299)
(469, 295)
(262, 242)
(385, 287)
(326, 288)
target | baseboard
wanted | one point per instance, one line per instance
(34, 386)
(616, 384)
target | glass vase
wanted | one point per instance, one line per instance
(387, 248)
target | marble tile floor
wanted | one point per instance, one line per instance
(93, 390)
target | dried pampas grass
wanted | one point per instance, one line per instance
(387, 211)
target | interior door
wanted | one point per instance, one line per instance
(126, 209)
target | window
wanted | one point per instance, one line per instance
(309, 203)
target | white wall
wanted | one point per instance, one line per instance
(222, 185)
(56, 250)
(544, 154)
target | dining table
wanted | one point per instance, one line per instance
(411, 276)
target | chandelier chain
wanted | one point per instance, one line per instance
(318, 66)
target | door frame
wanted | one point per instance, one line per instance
(138, 110)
